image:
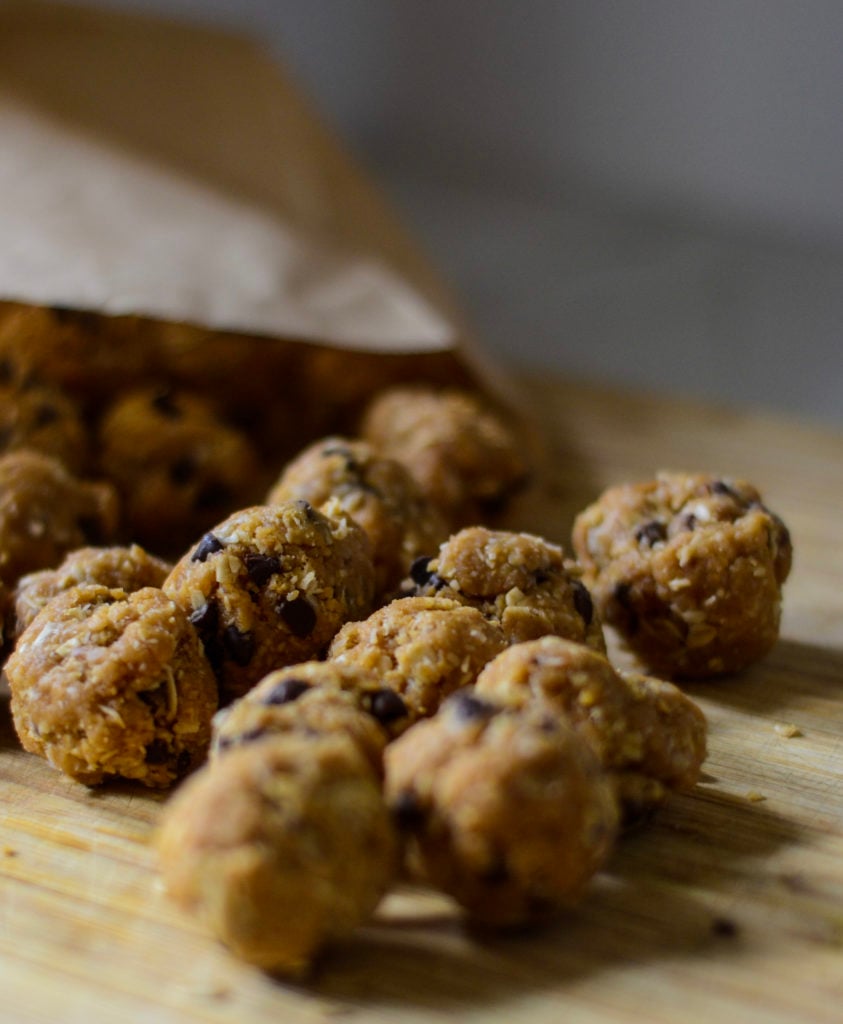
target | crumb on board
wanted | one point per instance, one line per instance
(725, 927)
(754, 797)
(788, 730)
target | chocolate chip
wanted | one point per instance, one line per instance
(407, 812)
(689, 522)
(651, 533)
(165, 403)
(307, 508)
(419, 572)
(205, 621)
(721, 487)
(45, 415)
(386, 706)
(286, 691)
(627, 614)
(157, 752)
(582, 601)
(214, 495)
(471, 708)
(240, 647)
(251, 734)
(496, 873)
(91, 529)
(80, 317)
(183, 470)
(422, 576)
(298, 616)
(206, 618)
(207, 546)
(260, 568)
(352, 466)
(724, 927)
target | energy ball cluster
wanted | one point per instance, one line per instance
(365, 675)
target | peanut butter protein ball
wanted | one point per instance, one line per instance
(688, 568)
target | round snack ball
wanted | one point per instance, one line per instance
(378, 492)
(46, 512)
(318, 697)
(110, 685)
(270, 586)
(178, 467)
(424, 648)
(647, 733)
(280, 848)
(127, 569)
(43, 419)
(688, 569)
(507, 811)
(516, 579)
(467, 461)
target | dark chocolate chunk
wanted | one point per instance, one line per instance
(724, 927)
(286, 691)
(496, 873)
(721, 487)
(214, 495)
(386, 706)
(207, 546)
(45, 415)
(689, 522)
(91, 528)
(582, 601)
(419, 572)
(165, 403)
(206, 618)
(298, 615)
(80, 317)
(472, 708)
(157, 752)
(260, 568)
(183, 470)
(422, 576)
(407, 812)
(651, 533)
(240, 647)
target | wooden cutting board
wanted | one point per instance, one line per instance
(728, 906)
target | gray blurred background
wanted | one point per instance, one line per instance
(647, 192)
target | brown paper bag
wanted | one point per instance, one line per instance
(173, 200)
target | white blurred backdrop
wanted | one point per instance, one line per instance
(643, 192)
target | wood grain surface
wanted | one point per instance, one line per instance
(728, 906)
